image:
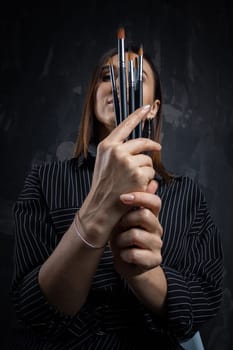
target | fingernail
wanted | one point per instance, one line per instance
(127, 198)
(146, 107)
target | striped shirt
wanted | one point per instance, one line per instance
(112, 317)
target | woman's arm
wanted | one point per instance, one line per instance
(185, 294)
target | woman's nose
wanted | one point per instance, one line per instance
(118, 86)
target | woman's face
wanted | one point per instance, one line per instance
(104, 107)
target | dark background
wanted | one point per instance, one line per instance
(46, 56)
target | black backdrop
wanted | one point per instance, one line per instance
(46, 56)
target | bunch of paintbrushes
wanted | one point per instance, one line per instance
(135, 85)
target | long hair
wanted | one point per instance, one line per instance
(88, 120)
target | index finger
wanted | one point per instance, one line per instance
(142, 199)
(124, 129)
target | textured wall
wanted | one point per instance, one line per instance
(45, 55)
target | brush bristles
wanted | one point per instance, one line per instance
(130, 56)
(140, 51)
(121, 33)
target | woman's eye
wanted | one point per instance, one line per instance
(106, 77)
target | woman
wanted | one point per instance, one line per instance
(113, 252)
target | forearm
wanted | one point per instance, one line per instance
(150, 288)
(66, 275)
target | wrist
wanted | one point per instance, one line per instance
(91, 227)
(98, 217)
(78, 227)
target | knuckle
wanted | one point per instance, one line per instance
(159, 201)
(115, 155)
(133, 256)
(133, 237)
(158, 259)
(136, 235)
(118, 156)
(126, 162)
(144, 213)
(137, 176)
(152, 172)
(115, 152)
(150, 262)
(150, 162)
(147, 265)
(159, 242)
(103, 146)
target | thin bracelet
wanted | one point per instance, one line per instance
(77, 230)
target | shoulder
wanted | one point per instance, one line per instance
(50, 171)
(54, 167)
(40, 174)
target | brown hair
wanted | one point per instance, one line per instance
(88, 120)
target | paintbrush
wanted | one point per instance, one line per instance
(131, 87)
(114, 93)
(131, 80)
(122, 74)
(139, 88)
(140, 76)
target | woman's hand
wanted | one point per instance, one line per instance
(120, 167)
(137, 239)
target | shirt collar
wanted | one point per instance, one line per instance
(91, 154)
